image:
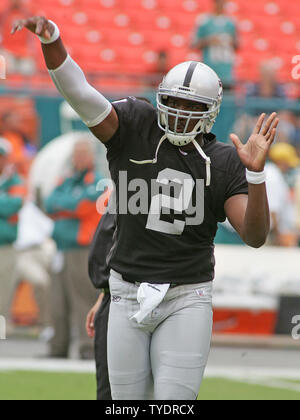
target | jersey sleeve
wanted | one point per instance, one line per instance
(236, 181)
(133, 114)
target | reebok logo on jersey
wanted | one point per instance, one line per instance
(202, 292)
(116, 299)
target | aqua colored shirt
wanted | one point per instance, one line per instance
(12, 195)
(220, 58)
(227, 236)
(72, 205)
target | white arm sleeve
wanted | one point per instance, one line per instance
(90, 105)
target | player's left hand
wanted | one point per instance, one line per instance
(90, 319)
(254, 153)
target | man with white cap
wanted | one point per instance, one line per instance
(12, 194)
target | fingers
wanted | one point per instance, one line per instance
(38, 25)
(269, 129)
(89, 326)
(272, 131)
(14, 27)
(272, 136)
(236, 141)
(47, 34)
(268, 124)
(259, 124)
(17, 26)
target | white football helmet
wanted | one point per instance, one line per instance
(193, 81)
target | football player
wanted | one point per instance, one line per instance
(162, 259)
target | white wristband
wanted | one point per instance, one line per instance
(256, 177)
(54, 37)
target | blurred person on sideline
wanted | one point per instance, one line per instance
(35, 252)
(296, 140)
(12, 195)
(216, 36)
(268, 85)
(283, 158)
(161, 67)
(297, 204)
(287, 130)
(17, 52)
(23, 148)
(72, 206)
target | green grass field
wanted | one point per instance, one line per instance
(72, 386)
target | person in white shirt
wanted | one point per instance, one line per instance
(35, 252)
(283, 158)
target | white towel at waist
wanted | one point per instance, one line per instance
(149, 296)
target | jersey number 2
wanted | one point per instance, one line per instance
(185, 184)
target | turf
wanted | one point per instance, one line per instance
(72, 386)
(47, 386)
(223, 389)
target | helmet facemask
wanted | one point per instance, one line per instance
(192, 81)
(179, 134)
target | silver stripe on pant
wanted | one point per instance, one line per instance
(165, 356)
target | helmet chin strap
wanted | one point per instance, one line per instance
(207, 162)
(153, 161)
(198, 148)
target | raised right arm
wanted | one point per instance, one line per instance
(95, 110)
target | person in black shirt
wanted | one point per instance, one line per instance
(174, 182)
(97, 319)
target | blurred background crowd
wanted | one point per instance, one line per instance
(49, 167)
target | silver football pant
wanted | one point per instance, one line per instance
(165, 356)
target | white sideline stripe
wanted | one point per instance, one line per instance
(273, 383)
(48, 365)
(249, 373)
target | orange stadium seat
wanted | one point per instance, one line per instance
(145, 5)
(95, 31)
(100, 4)
(186, 6)
(100, 18)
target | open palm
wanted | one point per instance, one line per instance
(254, 153)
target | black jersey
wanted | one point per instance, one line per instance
(172, 246)
(99, 250)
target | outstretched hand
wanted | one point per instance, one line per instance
(38, 25)
(254, 153)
